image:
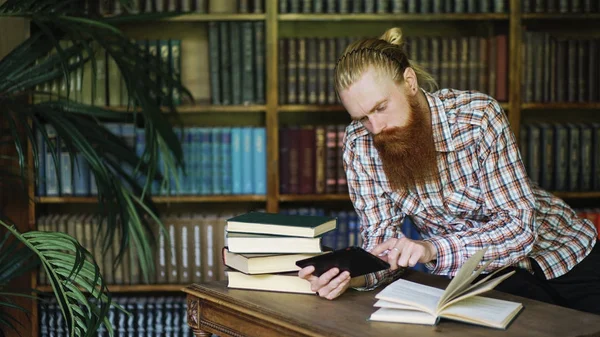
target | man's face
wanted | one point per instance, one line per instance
(376, 101)
(400, 125)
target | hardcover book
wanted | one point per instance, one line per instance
(409, 302)
(281, 224)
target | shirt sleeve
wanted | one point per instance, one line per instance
(379, 218)
(510, 232)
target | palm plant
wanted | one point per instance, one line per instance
(123, 195)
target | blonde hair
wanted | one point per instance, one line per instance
(386, 54)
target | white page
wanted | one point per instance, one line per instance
(392, 305)
(403, 316)
(481, 310)
(413, 294)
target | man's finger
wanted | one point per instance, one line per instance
(382, 247)
(306, 272)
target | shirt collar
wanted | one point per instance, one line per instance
(442, 136)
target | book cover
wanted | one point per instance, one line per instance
(281, 224)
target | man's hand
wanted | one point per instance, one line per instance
(404, 252)
(330, 284)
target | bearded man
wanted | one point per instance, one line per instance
(449, 160)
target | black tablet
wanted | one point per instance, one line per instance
(353, 259)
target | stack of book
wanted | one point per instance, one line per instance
(262, 249)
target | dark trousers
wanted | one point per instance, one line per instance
(578, 289)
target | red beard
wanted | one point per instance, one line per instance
(408, 153)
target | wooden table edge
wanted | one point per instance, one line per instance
(195, 296)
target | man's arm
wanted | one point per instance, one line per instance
(507, 193)
(378, 216)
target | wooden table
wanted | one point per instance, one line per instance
(213, 308)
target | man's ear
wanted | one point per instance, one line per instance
(410, 81)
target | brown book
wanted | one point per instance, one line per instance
(282, 69)
(502, 68)
(434, 64)
(332, 56)
(222, 6)
(331, 158)
(320, 159)
(445, 63)
(482, 66)
(473, 62)
(219, 243)
(342, 185)
(453, 66)
(464, 68)
(294, 161)
(492, 56)
(307, 160)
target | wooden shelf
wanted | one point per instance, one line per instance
(314, 197)
(329, 107)
(561, 16)
(192, 109)
(310, 108)
(577, 195)
(165, 199)
(393, 17)
(561, 106)
(217, 17)
(138, 288)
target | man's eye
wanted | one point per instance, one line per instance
(364, 119)
(380, 108)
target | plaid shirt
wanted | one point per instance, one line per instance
(483, 196)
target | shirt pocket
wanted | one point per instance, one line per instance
(464, 201)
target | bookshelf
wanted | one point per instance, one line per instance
(273, 113)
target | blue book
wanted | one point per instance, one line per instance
(236, 160)
(66, 174)
(217, 161)
(81, 176)
(206, 162)
(343, 234)
(226, 173)
(247, 160)
(259, 142)
(140, 146)
(175, 185)
(561, 163)
(127, 133)
(195, 160)
(187, 178)
(41, 157)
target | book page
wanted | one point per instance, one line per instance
(392, 305)
(419, 296)
(480, 282)
(483, 311)
(464, 276)
(482, 288)
(403, 316)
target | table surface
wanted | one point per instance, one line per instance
(348, 315)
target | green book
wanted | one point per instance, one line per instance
(281, 224)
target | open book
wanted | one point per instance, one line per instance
(408, 302)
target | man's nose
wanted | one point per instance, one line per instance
(377, 124)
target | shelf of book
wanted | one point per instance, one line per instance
(192, 109)
(313, 197)
(216, 17)
(331, 108)
(577, 195)
(310, 108)
(561, 16)
(138, 288)
(394, 17)
(561, 106)
(164, 199)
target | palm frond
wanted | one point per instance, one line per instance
(75, 278)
